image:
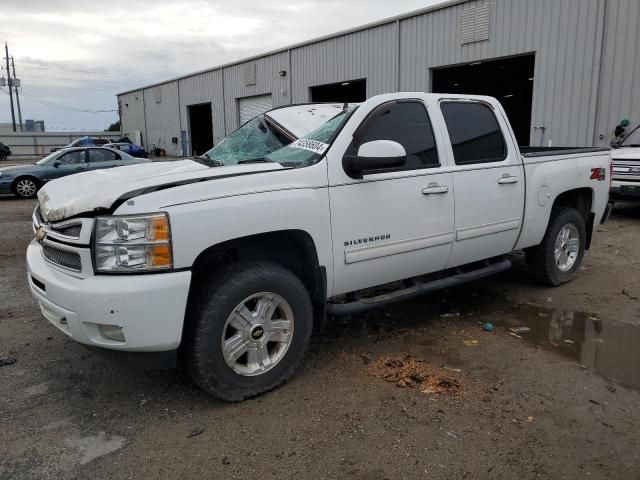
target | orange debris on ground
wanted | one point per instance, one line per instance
(414, 373)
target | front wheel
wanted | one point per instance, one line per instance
(250, 327)
(26, 187)
(559, 256)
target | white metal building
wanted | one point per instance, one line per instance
(567, 71)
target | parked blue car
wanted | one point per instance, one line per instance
(130, 148)
(85, 142)
(24, 181)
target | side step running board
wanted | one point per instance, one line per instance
(338, 309)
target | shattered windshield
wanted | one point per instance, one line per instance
(309, 149)
(633, 139)
(250, 143)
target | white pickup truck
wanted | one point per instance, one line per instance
(626, 169)
(225, 263)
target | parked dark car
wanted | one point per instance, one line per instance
(85, 142)
(130, 148)
(24, 181)
(4, 151)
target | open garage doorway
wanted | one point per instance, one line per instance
(349, 91)
(200, 128)
(510, 80)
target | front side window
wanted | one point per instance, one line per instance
(72, 157)
(476, 136)
(250, 143)
(405, 122)
(309, 149)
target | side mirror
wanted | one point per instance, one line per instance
(56, 164)
(374, 156)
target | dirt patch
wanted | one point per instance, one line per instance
(414, 373)
(561, 402)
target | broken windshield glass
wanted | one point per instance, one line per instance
(250, 143)
(309, 149)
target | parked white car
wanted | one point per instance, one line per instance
(226, 266)
(626, 169)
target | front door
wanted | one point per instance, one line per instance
(68, 163)
(488, 179)
(398, 223)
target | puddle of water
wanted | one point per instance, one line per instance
(607, 347)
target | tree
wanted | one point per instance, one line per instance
(114, 127)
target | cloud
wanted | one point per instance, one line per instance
(81, 54)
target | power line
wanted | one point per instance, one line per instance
(62, 107)
(96, 72)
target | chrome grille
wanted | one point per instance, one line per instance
(69, 230)
(62, 258)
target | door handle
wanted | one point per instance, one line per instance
(507, 179)
(435, 189)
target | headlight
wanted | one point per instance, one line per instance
(132, 243)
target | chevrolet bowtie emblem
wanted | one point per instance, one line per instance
(40, 234)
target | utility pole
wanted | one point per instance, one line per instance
(13, 66)
(13, 115)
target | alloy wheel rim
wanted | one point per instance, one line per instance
(257, 334)
(567, 247)
(26, 188)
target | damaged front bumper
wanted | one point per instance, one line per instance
(145, 311)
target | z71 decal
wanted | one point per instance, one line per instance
(311, 145)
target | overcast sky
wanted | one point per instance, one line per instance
(79, 54)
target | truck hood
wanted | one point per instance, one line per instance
(100, 189)
(626, 153)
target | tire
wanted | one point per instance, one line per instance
(26, 187)
(213, 365)
(541, 260)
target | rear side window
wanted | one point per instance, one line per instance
(406, 123)
(474, 131)
(97, 155)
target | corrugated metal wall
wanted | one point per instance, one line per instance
(41, 143)
(162, 114)
(267, 81)
(203, 88)
(620, 74)
(563, 35)
(131, 107)
(370, 54)
(573, 98)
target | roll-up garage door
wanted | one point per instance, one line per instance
(253, 106)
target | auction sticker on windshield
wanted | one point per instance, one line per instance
(311, 145)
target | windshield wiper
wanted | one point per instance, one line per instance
(255, 160)
(207, 160)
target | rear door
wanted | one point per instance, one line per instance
(103, 158)
(488, 180)
(395, 224)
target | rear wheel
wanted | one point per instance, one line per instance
(250, 327)
(25, 187)
(559, 256)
